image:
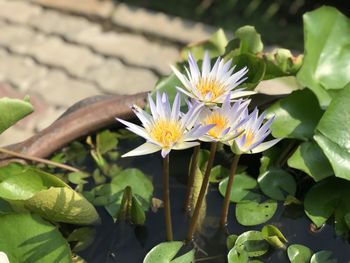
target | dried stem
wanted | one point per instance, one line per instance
(166, 199)
(223, 221)
(38, 160)
(202, 191)
(194, 161)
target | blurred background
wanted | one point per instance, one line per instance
(61, 51)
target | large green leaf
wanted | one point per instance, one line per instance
(274, 236)
(215, 45)
(12, 110)
(277, 184)
(253, 243)
(333, 134)
(299, 253)
(28, 238)
(323, 256)
(296, 116)
(251, 213)
(310, 159)
(63, 204)
(327, 52)
(237, 256)
(249, 40)
(166, 251)
(322, 200)
(241, 188)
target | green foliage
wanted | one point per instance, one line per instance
(81, 238)
(299, 253)
(323, 257)
(253, 243)
(325, 69)
(251, 213)
(12, 110)
(165, 253)
(273, 236)
(31, 239)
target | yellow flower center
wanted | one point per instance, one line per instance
(249, 137)
(213, 86)
(166, 132)
(220, 122)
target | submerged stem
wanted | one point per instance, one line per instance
(201, 195)
(223, 220)
(38, 160)
(194, 161)
(166, 199)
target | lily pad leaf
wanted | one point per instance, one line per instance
(62, 204)
(235, 256)
(323, 256)
(299, 253)
(218, 173)
(165, 253)
(106, 141)
(12, 110)
(327, 52)
(82, 238)
(230, 241)
(241, 189)
(277, 184)
(333, 134)
(309, 158)
(34, 240)
(253, 243)
(296, 115)
(251, 213)
(246, 40)
(273, 236)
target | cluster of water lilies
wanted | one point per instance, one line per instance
(217, 113)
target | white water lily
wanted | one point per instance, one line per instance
(227, 120)
(212, 85)
(3, 257)
(166, 128)
(254, 133)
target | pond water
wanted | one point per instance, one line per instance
(122, 242)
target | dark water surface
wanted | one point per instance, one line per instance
(121, 242)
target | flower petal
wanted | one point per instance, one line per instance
(143, 149)
(264, 146)
(185, 145)
(135, 128)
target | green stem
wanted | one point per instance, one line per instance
(166, 199)
(202, 192)
(194, 161)
(223, 220)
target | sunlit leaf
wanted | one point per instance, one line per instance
(323, 256)
(251, 213)
(253, 243)
(165, 253)
(82, 238)
(106, 141)
(248, 40)
(218, 173)
(235, 256)
(230, 241)
(273, 236)
(299, 253)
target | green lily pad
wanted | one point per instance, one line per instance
(299, 253)
(29, 238)
(309, 158)
(241, 188)
(235, 256)
(251, 213)
(296, 115)
(218, 173)
(327, 52)
(230, 241)
(248, 40)
(333, 134)
(106, 141)
(12, 110)
(253, 243)
(277, 184)
(323, 256)
(82, 238)
(273, 236)
(165, 253)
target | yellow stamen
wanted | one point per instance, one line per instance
(208, 85)
(249, 137)
(220, 122)
(166, 132)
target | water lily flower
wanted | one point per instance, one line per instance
(253, 135)
(166, 128)
(211, 85)
(227, 120)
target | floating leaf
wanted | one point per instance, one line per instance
(253, 243)
(82, 238)
(218, 173)
(309, 158)
(277, 184)
(296, 115)
(166, 251)
(12, 110)
(230, 241)
(327, 52)
(333, 134)
(241, 188)
(235, 256)
(273, 236)
(29, 238)
(106, 141)
(323, 256)
(299, 253)
(215, 45)
(62, 204)
(78, 177)
(251, 213)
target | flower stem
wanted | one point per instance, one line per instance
(166, 199)
(202, 192)
(38, 160)
(194, 161)
(223, 220)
